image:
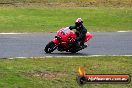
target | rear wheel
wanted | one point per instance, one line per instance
(50, 47)
(73, 51)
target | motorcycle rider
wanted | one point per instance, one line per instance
(80, 32)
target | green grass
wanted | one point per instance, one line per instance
(23, 19)
(20, 73)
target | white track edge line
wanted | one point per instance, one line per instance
(67, 56)
(11, 33)
(123, 31)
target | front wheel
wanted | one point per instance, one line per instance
(50, 47)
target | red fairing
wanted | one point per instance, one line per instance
(55, 41)
(71, 34)
(88, 36)
(65, 36)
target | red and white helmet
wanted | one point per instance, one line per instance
(78, 21)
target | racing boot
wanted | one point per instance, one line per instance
(82, 45)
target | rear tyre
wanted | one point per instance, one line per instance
(73, 51)
(50, 47)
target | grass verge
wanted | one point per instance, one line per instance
(22, 19)
(60, 72)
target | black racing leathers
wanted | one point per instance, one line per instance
(80, 32)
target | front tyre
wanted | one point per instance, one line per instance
(50, 47)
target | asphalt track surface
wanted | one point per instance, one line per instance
(32, 45)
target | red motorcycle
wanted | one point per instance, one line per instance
(63, 41)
